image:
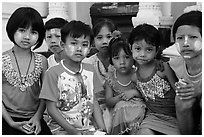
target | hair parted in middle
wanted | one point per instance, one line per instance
(116, 45)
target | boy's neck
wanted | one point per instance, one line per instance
(58, 57)
(71, 65)
(194, 65)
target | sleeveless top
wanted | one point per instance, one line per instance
(117, 88)
(20, 103)
(158, 93)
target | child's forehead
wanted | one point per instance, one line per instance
(81, 38)
(142, 43)
(188, 28)
(53, 30)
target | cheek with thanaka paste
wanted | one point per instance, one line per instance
(85, 51)
(71, 49)
(197, 45)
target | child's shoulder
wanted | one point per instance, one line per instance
(88, 67)
(175, 62)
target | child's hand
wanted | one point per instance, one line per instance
(127, 95)
(19, 126)
(35, 122)
(185, 90)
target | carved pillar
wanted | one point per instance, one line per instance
(151, 13)
(58, 9)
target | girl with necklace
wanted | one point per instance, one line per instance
(121, 93)
(22, 75)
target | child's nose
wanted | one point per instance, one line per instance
(186, 41)
(142, 53)
(27, 35)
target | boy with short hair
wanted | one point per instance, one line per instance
(53, 38)
(69, 87)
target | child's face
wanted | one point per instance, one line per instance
(53, 38)
(122, 62)
(102, 39)
(26, 37)
(143, 52)
(188, 41)
(77, 48)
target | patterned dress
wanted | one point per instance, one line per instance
(127, 115)
(159, 99)
(20, 96)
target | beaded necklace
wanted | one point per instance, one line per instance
(124, 85)
(22, 78)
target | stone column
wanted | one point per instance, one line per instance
(58, 9)
(150, 12)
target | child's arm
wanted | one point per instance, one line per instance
(35, 120)
(169, 73)
(98, 115)
(57, 116)
(13, 124)
(110, 99)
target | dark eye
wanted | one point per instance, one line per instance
(179, 38)
(21, 30)
(85, 44)
(149, 49)
(193, 37)
(137, 48)
(34, 32)
(73, 43)
(109, 36)
(58, 36)
(99, 37)
(48, 37)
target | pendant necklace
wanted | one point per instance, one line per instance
(124, 85)
(24, 82)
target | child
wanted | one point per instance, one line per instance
(22, 75)
(103, 31)
(155, 80)
(187, 32)
(53, 38)
(121, 92)
(69, 86)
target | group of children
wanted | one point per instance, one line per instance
(123, 80)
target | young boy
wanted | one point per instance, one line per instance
(187, 32)
(53, 38)
(69, 86)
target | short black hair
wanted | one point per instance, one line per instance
(116, 45)
(193, 18)
(24, 17)
(76, 29)
(145, 32)
(55, 23)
